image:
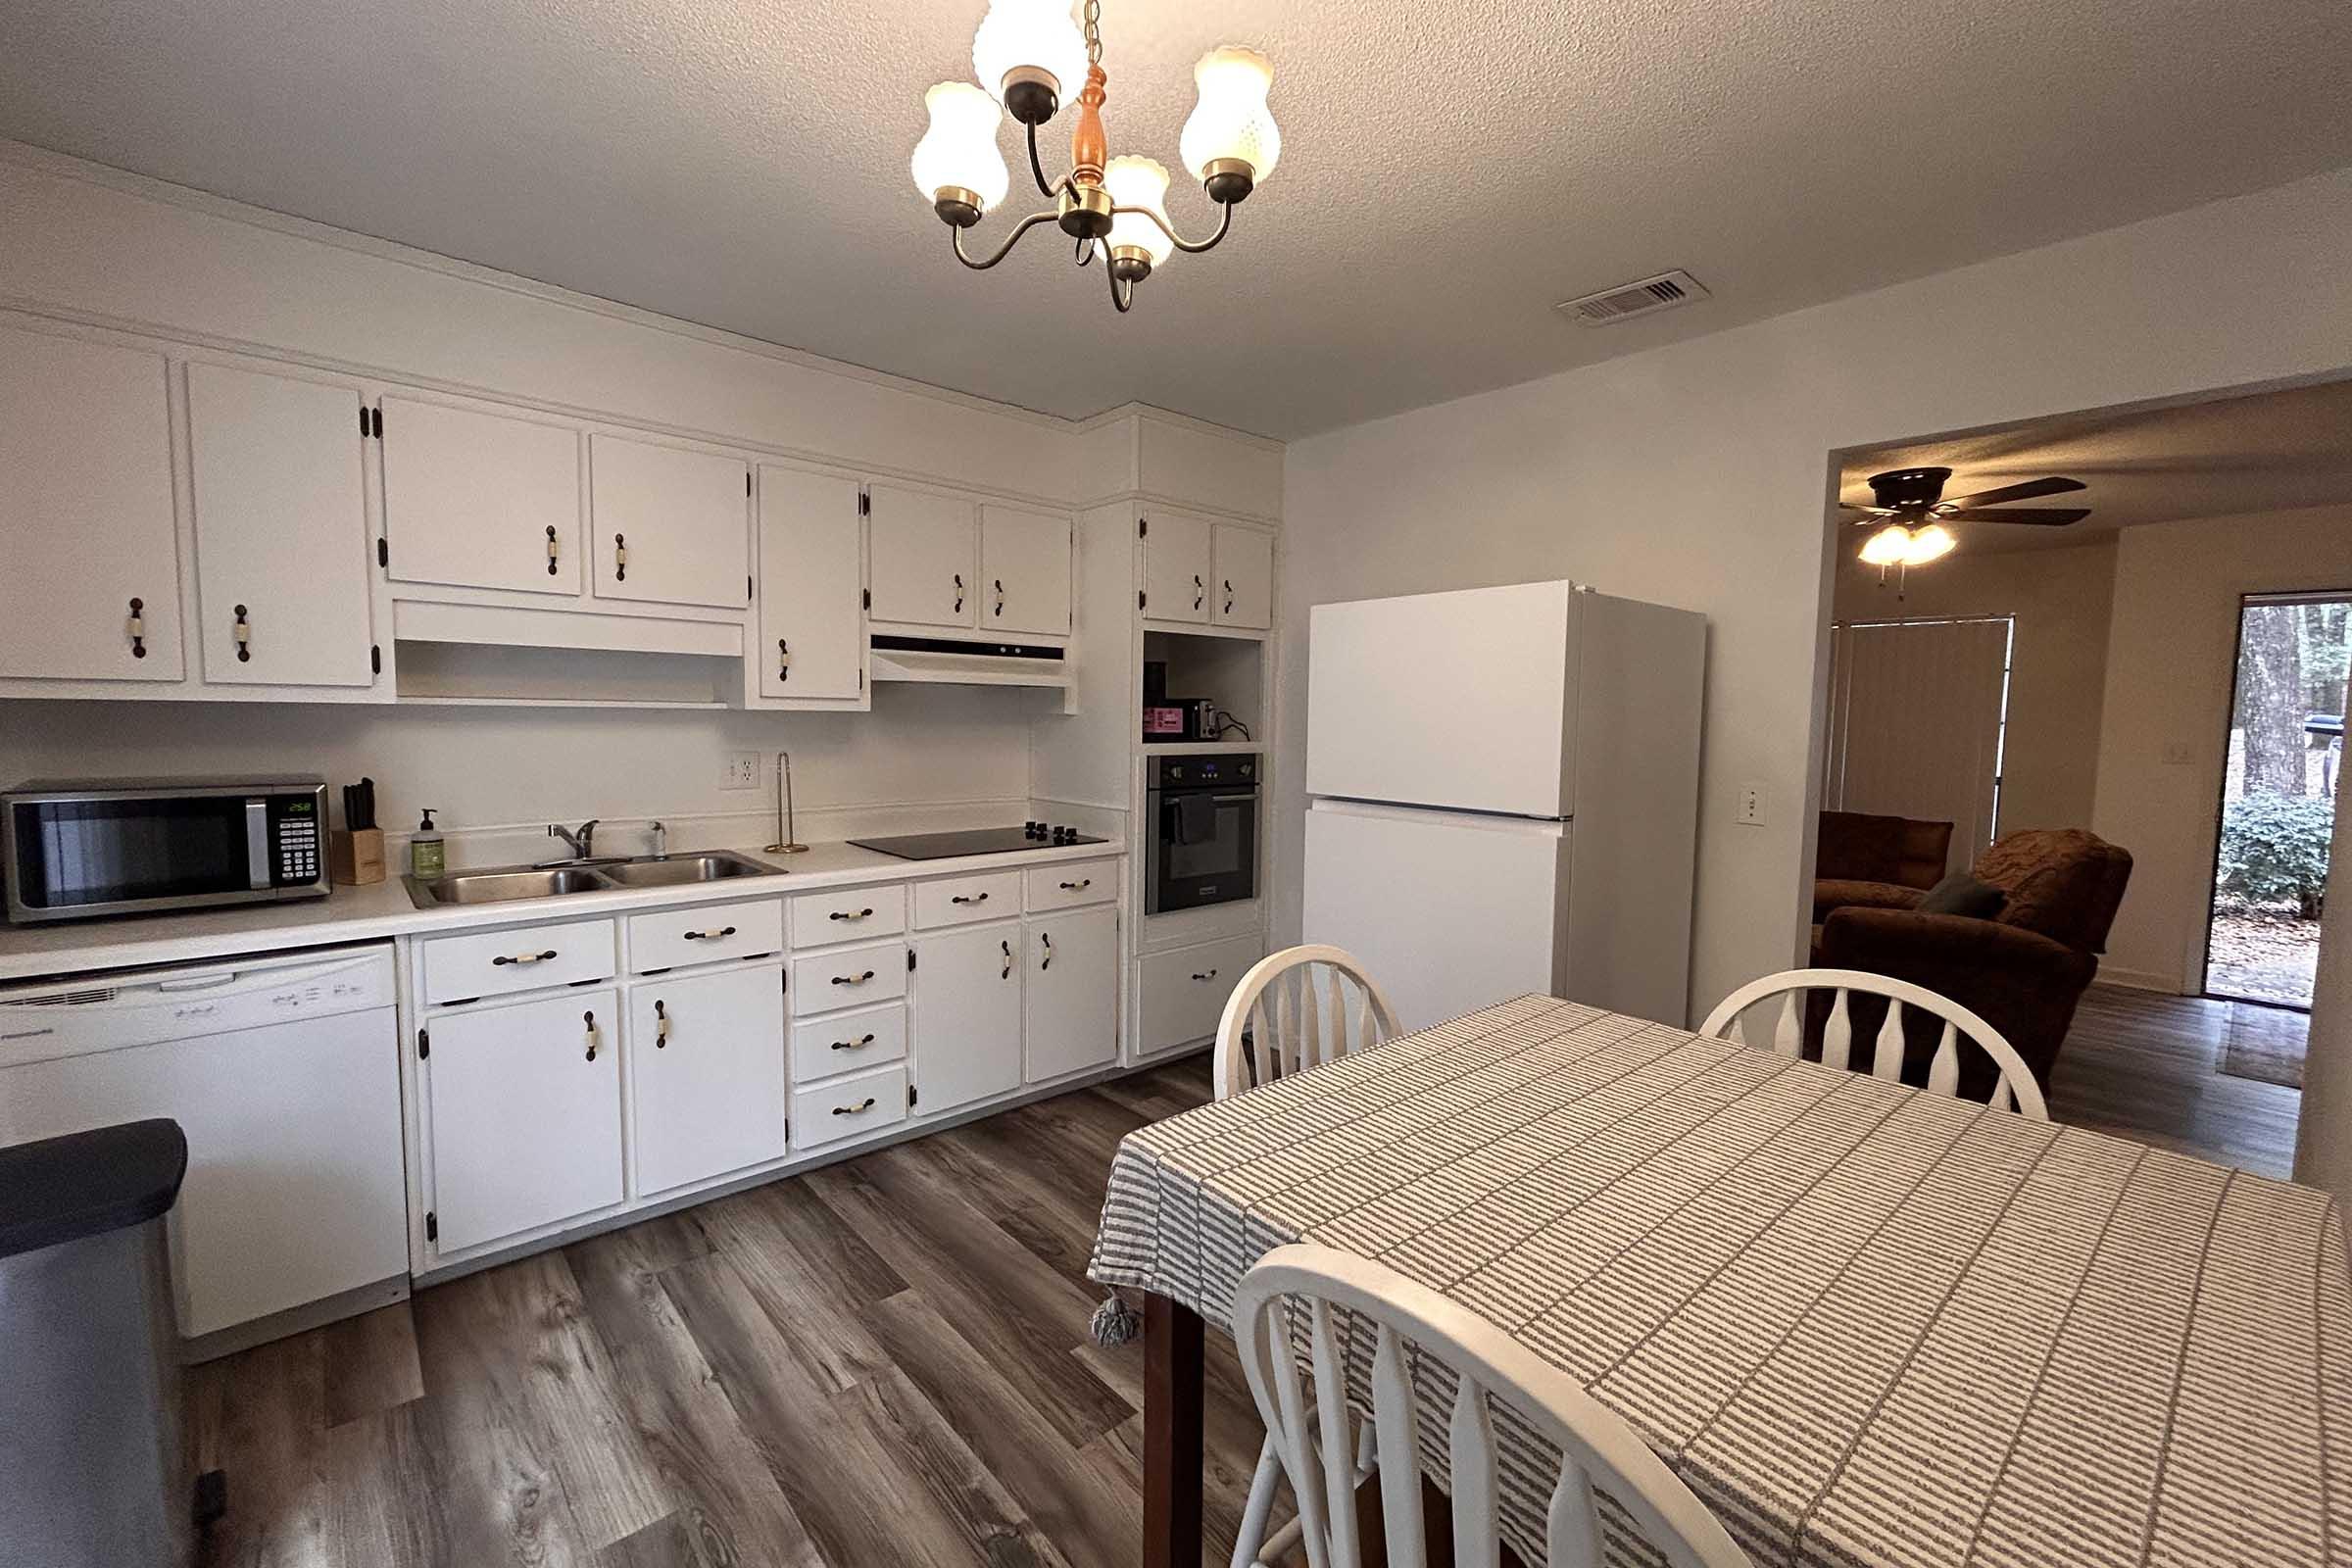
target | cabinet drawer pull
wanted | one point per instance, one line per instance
(863, 1106)
(848, 914)
(243, 632)
(1079, 886)
(590, 1018)
(1229, 595)
(783, 659)
(1211, 975)
(1200, 591)
(661, 1025)
(524, 957)
(858, 1043)
(621, 558)
(710, 936)
(852, 979)
(967, 898)
(1006, 973)
(550, 549)
(999, 596)
(960, 593)
(137, 628)
(1047, 962)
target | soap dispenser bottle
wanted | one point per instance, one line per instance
(428, 857)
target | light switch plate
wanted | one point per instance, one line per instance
(1750, 810)
(739, 770)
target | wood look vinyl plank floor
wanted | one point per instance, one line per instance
(2146, 1066)
(884, 1362)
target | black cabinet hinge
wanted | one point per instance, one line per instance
(371, 423)
(910, 959)
(746, 481)
(1139, 599)
(1143, 527)
(866, 503)
(910, 1095)
(865, 599)
(432, 1226)
(747, 587)
(365, 432)
(784, 981)
(375, 658)
(424, 1045)
(383, 551)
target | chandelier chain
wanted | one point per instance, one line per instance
(1094, 32)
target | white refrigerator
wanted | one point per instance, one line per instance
(1503, 795)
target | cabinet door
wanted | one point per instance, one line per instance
(707, 1073)
(924, 559)
(1072, 991)
(1245, 595)
(812, 630)
(671, 526)
(282, 530)
(86, 511)
(481, 500)
(967, 1016)
(1176, 568)
(525, 1106)
(1025, 571)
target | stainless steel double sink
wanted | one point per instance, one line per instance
(507, 884)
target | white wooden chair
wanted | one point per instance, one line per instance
(1597, 1449)
(1291, 1029)
(2016, 1089)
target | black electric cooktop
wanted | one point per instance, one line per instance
(978, 841)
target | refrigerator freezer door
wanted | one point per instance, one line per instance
(1462, 701)
(1449, 913)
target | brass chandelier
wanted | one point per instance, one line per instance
(1025, 55)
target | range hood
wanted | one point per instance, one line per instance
(946, 661)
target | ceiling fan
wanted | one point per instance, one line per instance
(1910, 513)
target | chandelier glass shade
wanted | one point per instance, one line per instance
(1901, 544)
(1032, 58)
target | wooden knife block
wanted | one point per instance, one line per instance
(355, 860)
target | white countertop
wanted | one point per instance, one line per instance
(384, 910)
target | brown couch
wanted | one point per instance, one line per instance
(1876, 862)
(2021, 971)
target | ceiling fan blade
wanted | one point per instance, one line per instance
(1865, 509)
(2045, 517)
(2025, 490)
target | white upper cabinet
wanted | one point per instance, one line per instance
(1244, 561)
(967, 1015)
(812, 630)
(475, 498)
(925, 555)
(1025, 571)
(670, 525)
(1178, 567)
(282, 530)
(89, 589)
(1072, 991)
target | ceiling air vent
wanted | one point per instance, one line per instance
(1629, 300)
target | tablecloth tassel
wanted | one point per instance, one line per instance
(1115, 1322)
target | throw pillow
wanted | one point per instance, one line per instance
(1962, 894)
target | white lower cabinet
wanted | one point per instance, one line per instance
(706, 1075)
(1072, 991)
(967, 1015)
(525, 1107)
(1184, 990)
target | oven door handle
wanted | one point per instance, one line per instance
(1245, 799)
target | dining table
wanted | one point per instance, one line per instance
(1870, 1327)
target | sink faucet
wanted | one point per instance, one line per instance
(582, 840)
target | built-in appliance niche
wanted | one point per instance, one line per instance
(1228, 672)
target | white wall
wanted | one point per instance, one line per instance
(2163, 742)
(2057, 673)
(1699, 474)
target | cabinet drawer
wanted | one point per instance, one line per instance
(848, 1107)
(1184, 992)
(1065, 887)
(849, 978)
(492, 963)
(820, 919)
(668, 938)
(845, 1042)
(963, 899)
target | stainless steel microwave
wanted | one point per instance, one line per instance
(76, 849)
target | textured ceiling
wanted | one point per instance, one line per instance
(2226, 458)
(1451, 168)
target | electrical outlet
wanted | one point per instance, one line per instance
(740, 770)
(1750, 812)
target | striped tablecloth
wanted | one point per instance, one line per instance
(1865, 1324)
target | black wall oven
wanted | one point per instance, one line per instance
(78, 848)
(1204, 836)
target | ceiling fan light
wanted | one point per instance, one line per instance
(958, 153)
(1139, 182)
(1890, 546)
(1930, 543)
(1021, 36)
(1231, 123)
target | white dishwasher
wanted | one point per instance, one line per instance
(283, 1070)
